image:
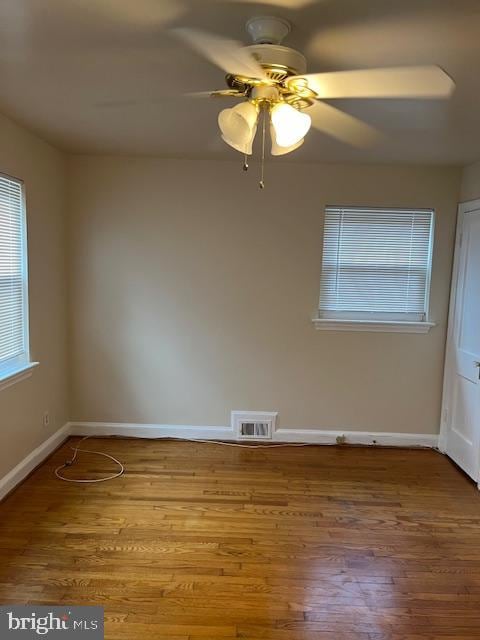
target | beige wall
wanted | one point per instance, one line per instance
(192, 293)
(470, 187)
(22, 406)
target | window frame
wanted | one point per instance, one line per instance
(379, 321)
(20, 367)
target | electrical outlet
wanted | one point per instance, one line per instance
(46, 419)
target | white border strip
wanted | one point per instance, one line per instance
(308, 436)
(36, 457)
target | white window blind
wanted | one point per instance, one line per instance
(13, 277)
(376, 264)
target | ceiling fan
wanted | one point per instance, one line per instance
(276, 91)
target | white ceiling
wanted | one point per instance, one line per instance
(107, 76)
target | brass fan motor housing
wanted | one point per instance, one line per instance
(279, 63)
(242, 86)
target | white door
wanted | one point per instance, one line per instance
(461, 408)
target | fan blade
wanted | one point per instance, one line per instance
(283, 4)
(229, 55)
(342, 126)
(219, 93)
(394, 82)
(135, 102)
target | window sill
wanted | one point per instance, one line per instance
(12, 376)
(381, 326)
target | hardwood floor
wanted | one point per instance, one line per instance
(203, 541)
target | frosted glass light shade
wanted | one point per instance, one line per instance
(239, 126)
(290, 124)
(277, 150)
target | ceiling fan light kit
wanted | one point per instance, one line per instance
(290, 124)
(272, 82)
(277, 150)
(239, 126)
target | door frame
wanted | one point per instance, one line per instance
(463, 209)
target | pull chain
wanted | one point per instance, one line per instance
(261, 184)
(245, 163)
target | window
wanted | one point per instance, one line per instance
(376, 269)
(14, 347)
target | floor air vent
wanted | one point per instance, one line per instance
(253, 425)
(254, 430)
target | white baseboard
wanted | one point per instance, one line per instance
(308, 436)
(132, 430)
(442, 442)
(36, 457)
(382, 439)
